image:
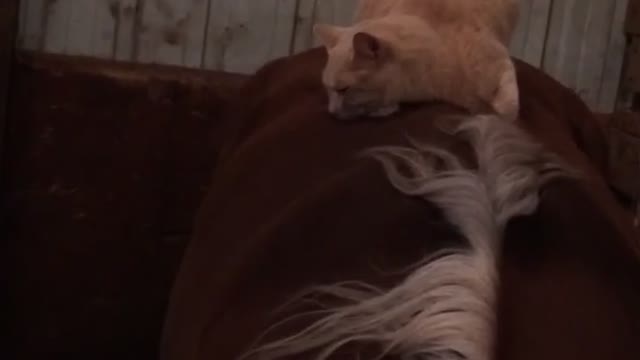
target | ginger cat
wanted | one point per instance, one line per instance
(499, 16)
(420, 50)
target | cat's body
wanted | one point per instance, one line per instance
(392, 58)
(499, 16)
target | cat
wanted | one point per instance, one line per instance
(499, 16)
(400, 52)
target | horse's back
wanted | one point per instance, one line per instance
(292, 205)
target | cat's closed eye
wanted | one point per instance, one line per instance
(342, 90)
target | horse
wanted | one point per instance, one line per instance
(310, 220)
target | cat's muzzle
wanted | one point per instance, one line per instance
(352, 112)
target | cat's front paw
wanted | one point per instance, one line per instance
(506, 102)
(507, 107)
(385, 111)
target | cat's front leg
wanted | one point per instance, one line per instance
(506, 101)
(385, 111)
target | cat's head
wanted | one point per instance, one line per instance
(358, 71)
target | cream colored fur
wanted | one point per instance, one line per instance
(446, 308)
(413, 51)
(499, 16)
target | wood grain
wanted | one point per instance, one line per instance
(609, 88)
(632, 25)
(579, 42)
(32, 28)
(56, 29)
(584, 48)
(310, 12)
(172, 32)
(529, 38)
(126, 14)
(244, 34)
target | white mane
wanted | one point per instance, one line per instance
(445, 309)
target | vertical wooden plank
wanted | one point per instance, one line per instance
(577, 44)
(33, 27)
(582, 46)
(103, 36)
(126, 14)
(91, 28)
(74, 27)
(244, 34)
(564, 45)
(632, 22)
(554, 46)
(196, 31)
(22, 22)
(80, 27)
(594, 43)
(173, 32)
(57, 14)
(536, 35)
(631, 77)
(608, 92)
(310, 12)
(520, 34)
(8, 30)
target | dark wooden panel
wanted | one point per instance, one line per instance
(632, 71)
(629, 95)
(633, 17)
(8, 27)
(624, 144)
(106, 164)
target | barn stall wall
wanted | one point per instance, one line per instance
(579, 42)
(101, 182)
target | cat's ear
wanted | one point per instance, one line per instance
(370, 48)
(328, 35)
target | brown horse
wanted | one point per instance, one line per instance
(294, 206)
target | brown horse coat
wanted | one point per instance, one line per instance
(292, 206)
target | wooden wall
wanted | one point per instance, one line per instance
(580, 42)
(629, 98)
(8, 25)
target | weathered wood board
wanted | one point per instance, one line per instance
(172, 32)
(243, 34)
(580, 42)
(585, 48)
(632, 25)
(310, 12)
(529, 39)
